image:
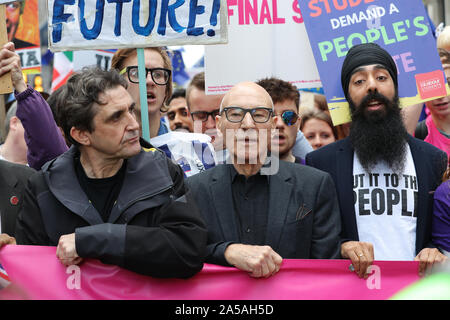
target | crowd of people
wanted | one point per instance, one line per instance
(286, 184)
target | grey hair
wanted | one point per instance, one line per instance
(11, 113)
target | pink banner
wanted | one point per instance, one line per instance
(36, 273)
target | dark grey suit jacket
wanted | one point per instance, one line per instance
(13, 180)
(303, 214)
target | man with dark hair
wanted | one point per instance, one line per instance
(178, 113)
(31, 105)
(106, 197)
(286, 101)
(383, 176)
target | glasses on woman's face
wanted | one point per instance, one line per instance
(289, 117)
(160, 76)
(237, 114)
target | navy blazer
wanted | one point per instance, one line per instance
(337, 159)
(303, 214)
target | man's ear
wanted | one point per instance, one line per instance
(13, 122)
(217, 120)
(219, 125)
(83, 137)
(298, 122)
(274, 121)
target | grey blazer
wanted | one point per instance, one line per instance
(303, 216)
(13, 179)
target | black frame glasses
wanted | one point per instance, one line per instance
(203, 115)
(254, 112)
(289, 117)
(153, 72)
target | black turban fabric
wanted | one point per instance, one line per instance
(363, 55)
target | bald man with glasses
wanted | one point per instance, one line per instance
(258, 213)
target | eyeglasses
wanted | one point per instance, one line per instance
(237, 114)
(203, 115)
(160, 76)
(289, 117)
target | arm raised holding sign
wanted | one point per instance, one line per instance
(10, 62)
(43, 138)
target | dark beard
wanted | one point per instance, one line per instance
(378, 135)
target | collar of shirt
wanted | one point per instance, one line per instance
(258, 176)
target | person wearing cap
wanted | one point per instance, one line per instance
(383, 176)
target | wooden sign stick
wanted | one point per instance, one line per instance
(5, 80)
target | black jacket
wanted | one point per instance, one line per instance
(13, 179)
(154, 227)
(303, 212)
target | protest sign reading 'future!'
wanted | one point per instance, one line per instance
(112, 24)
(400, 27)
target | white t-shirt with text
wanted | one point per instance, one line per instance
(386, 208)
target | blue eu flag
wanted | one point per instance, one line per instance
(180, 75)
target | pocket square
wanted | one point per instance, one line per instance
(302, 212)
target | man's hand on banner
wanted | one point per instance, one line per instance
(10, 62)
(66, 251)
(361, 254)
(258, 261)
(6, 239)
(427, 257)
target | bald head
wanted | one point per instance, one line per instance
(247, 123)
(246, 91)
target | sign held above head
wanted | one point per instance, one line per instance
(100, 24)
(402, 28)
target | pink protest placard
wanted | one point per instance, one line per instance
(431, 84)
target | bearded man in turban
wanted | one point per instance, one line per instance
(384, 177)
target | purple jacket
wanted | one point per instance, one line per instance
(441, 217)
(43, 137)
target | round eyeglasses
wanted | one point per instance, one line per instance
(203, 115)
(160, 76)
(237, 114)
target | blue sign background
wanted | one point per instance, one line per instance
(404, 31)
